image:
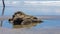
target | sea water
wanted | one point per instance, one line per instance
(44, 24)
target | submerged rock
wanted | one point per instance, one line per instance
(20, 18)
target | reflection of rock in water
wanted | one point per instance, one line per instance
(20, 19)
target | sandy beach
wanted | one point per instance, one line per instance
(30, 31)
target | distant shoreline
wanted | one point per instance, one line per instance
(45, 17)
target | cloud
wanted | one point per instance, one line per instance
(57, 10)
(44, 7)
(47, 3)
(10, 3)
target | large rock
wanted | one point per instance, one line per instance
(20, 18)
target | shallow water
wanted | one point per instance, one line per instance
(44, 24)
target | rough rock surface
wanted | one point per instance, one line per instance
(20, 18)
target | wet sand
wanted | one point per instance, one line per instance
(30, 31)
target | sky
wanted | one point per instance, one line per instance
(31, 7)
